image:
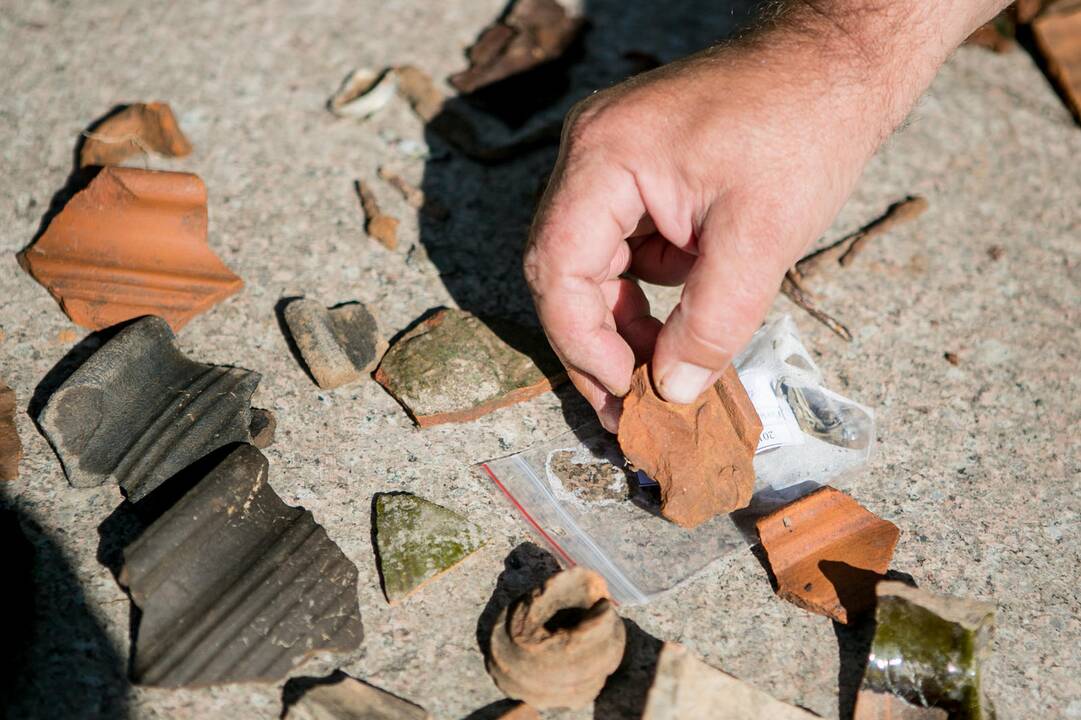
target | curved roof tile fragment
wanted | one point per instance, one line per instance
(236, 586)
(138, 411)
(132, 243)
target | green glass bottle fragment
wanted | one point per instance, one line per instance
(928, 650)
(417, 540)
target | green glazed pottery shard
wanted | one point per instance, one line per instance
(417, 541)
(456, 367)
(928, 650)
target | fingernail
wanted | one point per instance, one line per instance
(684, 382)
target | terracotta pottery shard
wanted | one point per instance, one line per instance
(138, 411)
(417, 541)
(520, 64)
(140, 128)
(556, 646)
(871, 705)
(456, 367)
(1058, 36)
(11, 448)
(350, 699)
(377, 224)
(236, 586)
(685, 688)
(521, 711)
(701, 454)
(928, 650)
(339, 344)
(827, 552)
(133, 243)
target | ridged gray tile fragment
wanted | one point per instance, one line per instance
(138, 411)
(236, 586)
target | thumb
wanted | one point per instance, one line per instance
(728, 291)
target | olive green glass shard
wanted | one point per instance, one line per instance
(928, 650)
(417, 540)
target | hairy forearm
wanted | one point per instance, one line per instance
(897, 45)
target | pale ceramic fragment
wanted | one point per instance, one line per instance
(685, 688)
(556, 646)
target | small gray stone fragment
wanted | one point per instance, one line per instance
(339, 344)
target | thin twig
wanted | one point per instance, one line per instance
(901, 212)
(791, 288)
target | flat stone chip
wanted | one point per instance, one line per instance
(138, 411)
(827, 552)
(685, 688)
(132, 243)
(417, 541)
(456, 367)
(340, 344)
(350, 699)
(234, 585)
(11, 448)
(927, 650)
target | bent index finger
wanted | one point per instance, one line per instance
(589, 209)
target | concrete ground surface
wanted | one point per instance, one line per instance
(977, 463)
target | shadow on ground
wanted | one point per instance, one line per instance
(57, 659)
(477, 251)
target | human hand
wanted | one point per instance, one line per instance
(715, 172)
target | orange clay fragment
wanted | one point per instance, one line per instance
(132, 243)
(701, 454)
(828, 552)
(137, 129)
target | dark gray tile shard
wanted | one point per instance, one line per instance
(339, 344)
(236, 586)
(138, 411)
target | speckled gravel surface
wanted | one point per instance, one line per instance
(977, 463)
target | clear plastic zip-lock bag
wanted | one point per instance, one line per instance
(576, 494)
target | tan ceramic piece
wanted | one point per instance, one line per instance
(556, 646)
(701, 453)
(132, 243)
(137, 129)
(827, 552)
(685, 688)
(11, 448)
(378, 225)
(1058, 36)
(521, 711)
(871, 705)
